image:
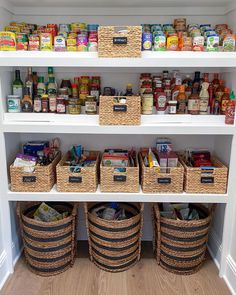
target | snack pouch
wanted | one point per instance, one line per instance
(160, 43)
(229, 43)
(172, 43)
(213, 43)
(7, 41)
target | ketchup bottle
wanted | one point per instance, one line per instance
(230, 110)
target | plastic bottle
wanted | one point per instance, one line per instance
(52, 87)
(230, 110)
(204, 99)
(181, 100)
(41, 87)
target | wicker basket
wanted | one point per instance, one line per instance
(49, 247)
(180, 245)
(202, 181)
(113, 181)
(153, 181)
(84, 181)
(112, 113)
(115, 245)
(113, 43)
(41, 180)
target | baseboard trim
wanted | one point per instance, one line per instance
(215, 247)
(230, 275)
(4, 274)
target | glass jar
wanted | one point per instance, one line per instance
(172, 105)
(91, 105)
(74, 106)
(63, 93)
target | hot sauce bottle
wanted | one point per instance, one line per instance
(181, 100)
(220, 91)
(211, 98)
(194, 102)
(230, 110)
(224, 100)
(216, 81)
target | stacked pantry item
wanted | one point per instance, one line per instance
(114, 245)
(180, 245)
(49, 247)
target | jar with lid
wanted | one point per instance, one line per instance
(61, 107)
(66, 83)
(74, 107)
(147, 104)
(52, 103)
(90, 105)
(172, 107)
(63, 92)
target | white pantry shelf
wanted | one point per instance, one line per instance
(90, 60)
(85, 124)
(99, 196)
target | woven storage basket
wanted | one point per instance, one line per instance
(49, 247)
(111, 43)
(112, 113)
(115, 245)
(41, 180)
(153, 181)
(180, 245)
(113, 181)
(84, 181)
(204, 181)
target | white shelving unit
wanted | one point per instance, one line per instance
(196, 131)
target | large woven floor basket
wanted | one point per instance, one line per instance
(115, 246)
(49, 247)
(180, 245)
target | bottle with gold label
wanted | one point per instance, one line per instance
(204, 98)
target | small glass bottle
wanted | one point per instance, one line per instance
(29, 82)
(45, 103)
(37, 104)
(220, 90)
(129, 90)
(216, 81)
(181, 100)
(17, 85)
(194, 102)
(52, 103)
(197, 80)
(27, 103)
(204, 99)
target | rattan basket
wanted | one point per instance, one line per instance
(112, 42)
(41, 180)
(84, 181)
(49, 247)
(112, 113)
(180, 245)
(206, 181)
(113, 181)
(114, 245)
(153, 181)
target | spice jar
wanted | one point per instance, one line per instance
(91, 105)
(74, 107)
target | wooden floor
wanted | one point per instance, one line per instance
(146, 278)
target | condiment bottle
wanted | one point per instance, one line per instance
(52, 87)
(91, 105)
(197, 80)
(27, 103)
(17, 85)
(167, 89)
(204, 98)
(220, 91)
(37, 104)
(176, 90)
(225, 100)
(230, 110)
(161, 103)
(66, 83)
(75, 93)
(165, 77)
(61, 107)
(29, 82)
(50, 73)
(52, 103)
(206, 77)
(181, 100)
(35, 83)
(194, 102)
(187, 81)
(158, 88)
(63, 93)
(211, 98)
(216, 81)
(45, 103)
(188, 90)
(41, 87)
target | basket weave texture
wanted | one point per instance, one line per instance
(115, 246)
(132, 115)
(153, 181)
(130, 183)
(180, 245)
(106, 48)
(44, 177)
(49, 247)
(84, 181)
(201, 181)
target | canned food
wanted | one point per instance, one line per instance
(147, 41)
(74, 106)
(13, 104)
